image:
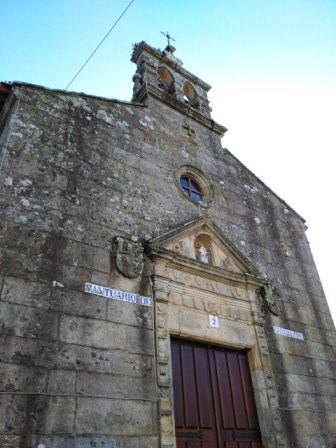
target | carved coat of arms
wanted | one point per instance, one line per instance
(270, 298)
(129, 256)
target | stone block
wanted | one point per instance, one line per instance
(296, 383)
(104, 361)
(140, 340)
(24, 292)
(317, 441)
(293, 364)
(26, 351)
(41, 172)
(324, 368)
(13, 262)
(319, 335)
(32, 352)
(86, 441)
(94, 233)
(12, 413)
(116, 386)
(51, 415)
(328, 403)
(102, 416)
(28, 321)
(329, 423)
(300, 401)
(22, 378)
(308, 316)
(72, 277)
(85, 255)
(299, 348)
(77, 303)
(94, 333)
(10, 441)
(130, 314)
(300, 418)
(36, 414)
(61, 382)
(326, 386)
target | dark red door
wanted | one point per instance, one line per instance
(213, 397)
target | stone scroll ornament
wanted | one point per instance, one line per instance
(270, 298)
(129, 256)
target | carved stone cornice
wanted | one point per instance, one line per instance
(177, 67)
(194, 267)
(161, 249)
(150, 90)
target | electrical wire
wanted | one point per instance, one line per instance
(101, 42)
(4, 152)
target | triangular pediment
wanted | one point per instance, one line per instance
(201, 241)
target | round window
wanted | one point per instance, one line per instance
(194, 184)
(191, 188)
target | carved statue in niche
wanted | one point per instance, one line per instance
(203, 248)
(202, 254)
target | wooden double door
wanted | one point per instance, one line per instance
(213, 397)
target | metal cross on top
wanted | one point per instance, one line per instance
(168, 36)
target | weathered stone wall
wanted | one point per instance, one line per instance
(76, 370)
(79, 370)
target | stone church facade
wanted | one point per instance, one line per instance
(154, 291)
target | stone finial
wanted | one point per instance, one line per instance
(170, 48)
(168, 53)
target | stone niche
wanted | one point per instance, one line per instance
(192, 285)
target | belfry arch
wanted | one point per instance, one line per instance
(166, 80)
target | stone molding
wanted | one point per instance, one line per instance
(143, 47)
(185, 293)
(148, 89)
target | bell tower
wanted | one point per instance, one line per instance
(160, 75)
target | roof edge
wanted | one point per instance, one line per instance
(73, 93)
(5, 88)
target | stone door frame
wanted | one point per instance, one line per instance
(185, 294)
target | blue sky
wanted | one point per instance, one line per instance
(271, 63)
